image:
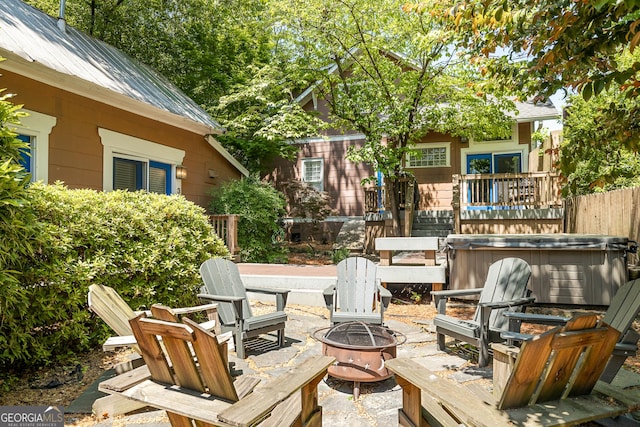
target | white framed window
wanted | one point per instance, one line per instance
(131, 163)
(313, 173)
(433, 155)
(35, 130)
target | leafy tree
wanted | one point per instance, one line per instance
(261, 208)
(222, 54)
(204, 47)
(553, 45)
(262, 117)
(592, 156)
(391, 75)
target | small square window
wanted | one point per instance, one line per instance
(429, 157)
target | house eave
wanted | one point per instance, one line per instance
(78, 86)
(218, 147)
(537, 118)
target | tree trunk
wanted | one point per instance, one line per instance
(392, 188)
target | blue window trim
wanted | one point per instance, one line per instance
(27, 154)
(167, 168)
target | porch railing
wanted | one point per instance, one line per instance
(376, 200)
(532, 190)
(226, 227)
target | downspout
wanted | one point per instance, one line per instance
(62, 24)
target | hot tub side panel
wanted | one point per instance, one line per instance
(558, 276)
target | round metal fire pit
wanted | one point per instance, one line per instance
(360, 350)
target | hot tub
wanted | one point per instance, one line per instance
(581, 269)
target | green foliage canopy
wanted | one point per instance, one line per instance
(593, 157)
(204, 47)
(390, 74)
(261, 208)
(542, 46)
(262, 117)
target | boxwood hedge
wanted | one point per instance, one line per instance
(146, 246)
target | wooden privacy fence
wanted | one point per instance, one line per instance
(614, 213)
(226, 227)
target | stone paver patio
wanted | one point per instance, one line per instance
(378, 402)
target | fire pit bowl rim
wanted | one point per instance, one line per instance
(391, 332)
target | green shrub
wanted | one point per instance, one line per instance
(339, 254)
(20, 236)
(261, 208)
(147, 246)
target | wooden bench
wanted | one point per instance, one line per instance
(427, 271)
(386, 246)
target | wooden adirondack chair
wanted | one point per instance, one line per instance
(551, 380)
(115, 312)
(504, 290)
(190, 381)
(621, 313)
(223, 285)
(358, 294)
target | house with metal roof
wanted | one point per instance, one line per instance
(99, 119)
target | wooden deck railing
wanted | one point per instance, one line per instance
(532, 190)
(376, 200)
(226, 227)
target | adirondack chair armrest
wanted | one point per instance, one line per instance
(303, 378)
(440, 297)
(195, 309)
(139, 312)
(385, 296)
(626, 347)
(328, 294)
(456, 292)
(516, 319)
(236, 302)
(281, 295)
(629, 343)
(506, 304)
(510, 337)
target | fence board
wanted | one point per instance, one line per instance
(615, 213)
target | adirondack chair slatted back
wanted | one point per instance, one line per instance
(356, 285)
(506, 281)
(189, 355)
(112, 309)
(624, 306)
(224, 278)
(106, 303)
(564, 361)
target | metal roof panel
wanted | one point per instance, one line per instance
(36, 37)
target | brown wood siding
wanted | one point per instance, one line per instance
(75, 148)
(341, 177)
(524, 133)
(435, 185)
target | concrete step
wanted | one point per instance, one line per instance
(431, 233)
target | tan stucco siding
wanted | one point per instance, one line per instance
(75, 147)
